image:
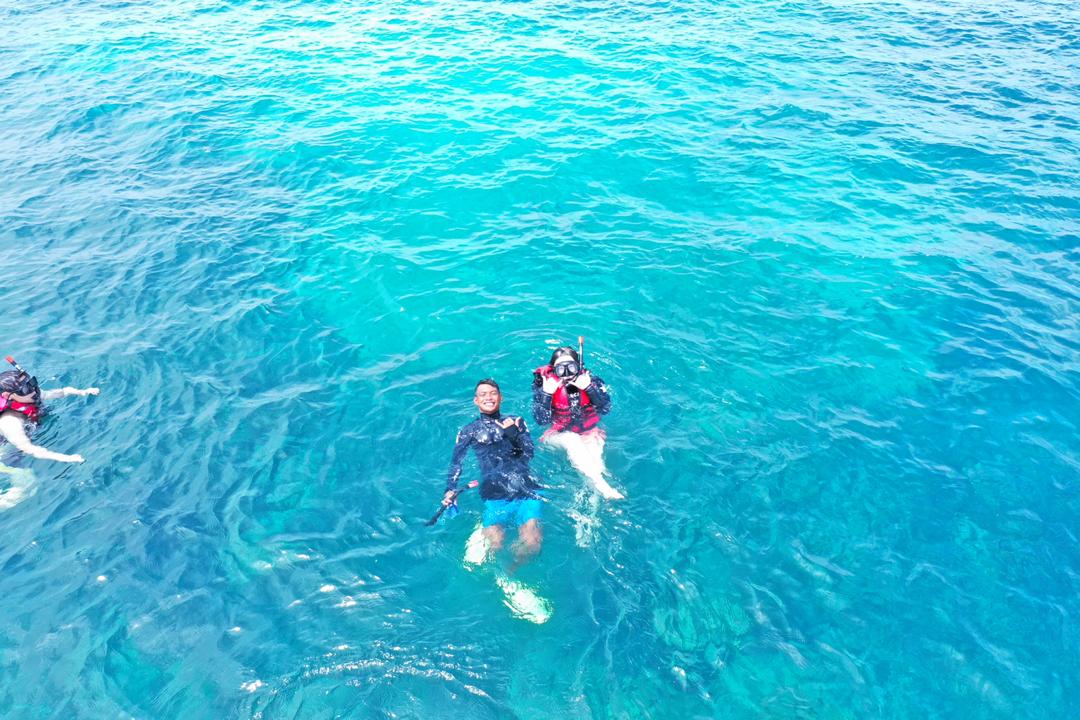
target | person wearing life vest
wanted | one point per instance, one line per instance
(571, 399)
(21, 405)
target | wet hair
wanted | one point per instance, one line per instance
(17, 382)
(562, 352)
(11, 381)
(488, 381)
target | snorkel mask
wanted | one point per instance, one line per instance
(567, 369)
(27, 384)
(566, 363)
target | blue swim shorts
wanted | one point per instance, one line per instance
(512, 512)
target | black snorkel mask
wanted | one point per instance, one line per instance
(28, 384)
(567, 370)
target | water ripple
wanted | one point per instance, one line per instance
(824, 253)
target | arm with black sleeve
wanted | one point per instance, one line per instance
(598, 395)
(520, 439)
(461, 446)
(541, 405)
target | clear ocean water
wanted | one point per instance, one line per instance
(826, 254)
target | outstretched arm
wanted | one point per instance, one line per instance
(67, 392)
(11, 427)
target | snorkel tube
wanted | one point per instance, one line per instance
(581, 350)
(16, 365)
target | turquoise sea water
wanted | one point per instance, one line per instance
(826, 254)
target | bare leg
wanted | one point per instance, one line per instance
(530, 536)
(22, 486)
(476, 548)
(495, 536)
(586, 454)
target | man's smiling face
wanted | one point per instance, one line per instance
(487, 399)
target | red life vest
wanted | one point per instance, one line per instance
(30, 410)
(565, 413)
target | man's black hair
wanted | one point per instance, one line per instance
(488, 381)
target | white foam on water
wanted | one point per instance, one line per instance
(23, 486)
(523, 601)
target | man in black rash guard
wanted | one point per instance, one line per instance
(503, 449)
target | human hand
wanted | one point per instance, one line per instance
(551, 384)
(448, 497)
(71, 458)
(90, 391)
(582, 381)
(507, 422)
